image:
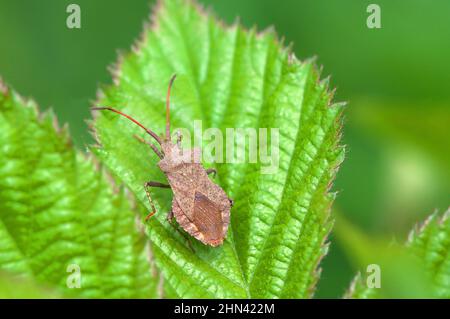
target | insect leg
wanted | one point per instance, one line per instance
(211, 170)
(170, 217)
(157, 184)
(179, 138)
(147, 185)
(154, 148)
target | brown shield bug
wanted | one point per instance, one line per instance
(201, 207)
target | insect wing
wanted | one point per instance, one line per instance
(208, 218)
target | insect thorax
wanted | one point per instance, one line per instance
(175, 156)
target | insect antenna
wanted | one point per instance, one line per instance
(168, 107)
(150, 132)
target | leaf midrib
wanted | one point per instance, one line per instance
(245, 285)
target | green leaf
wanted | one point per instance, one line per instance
(229, 77)
(431, 243)
(23, 288)
(418, 269)
(57, 209)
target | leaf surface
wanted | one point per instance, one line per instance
(59, 213)
(418, 269)
(229, 77)
(14, 288)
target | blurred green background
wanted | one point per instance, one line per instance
(396, 81)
